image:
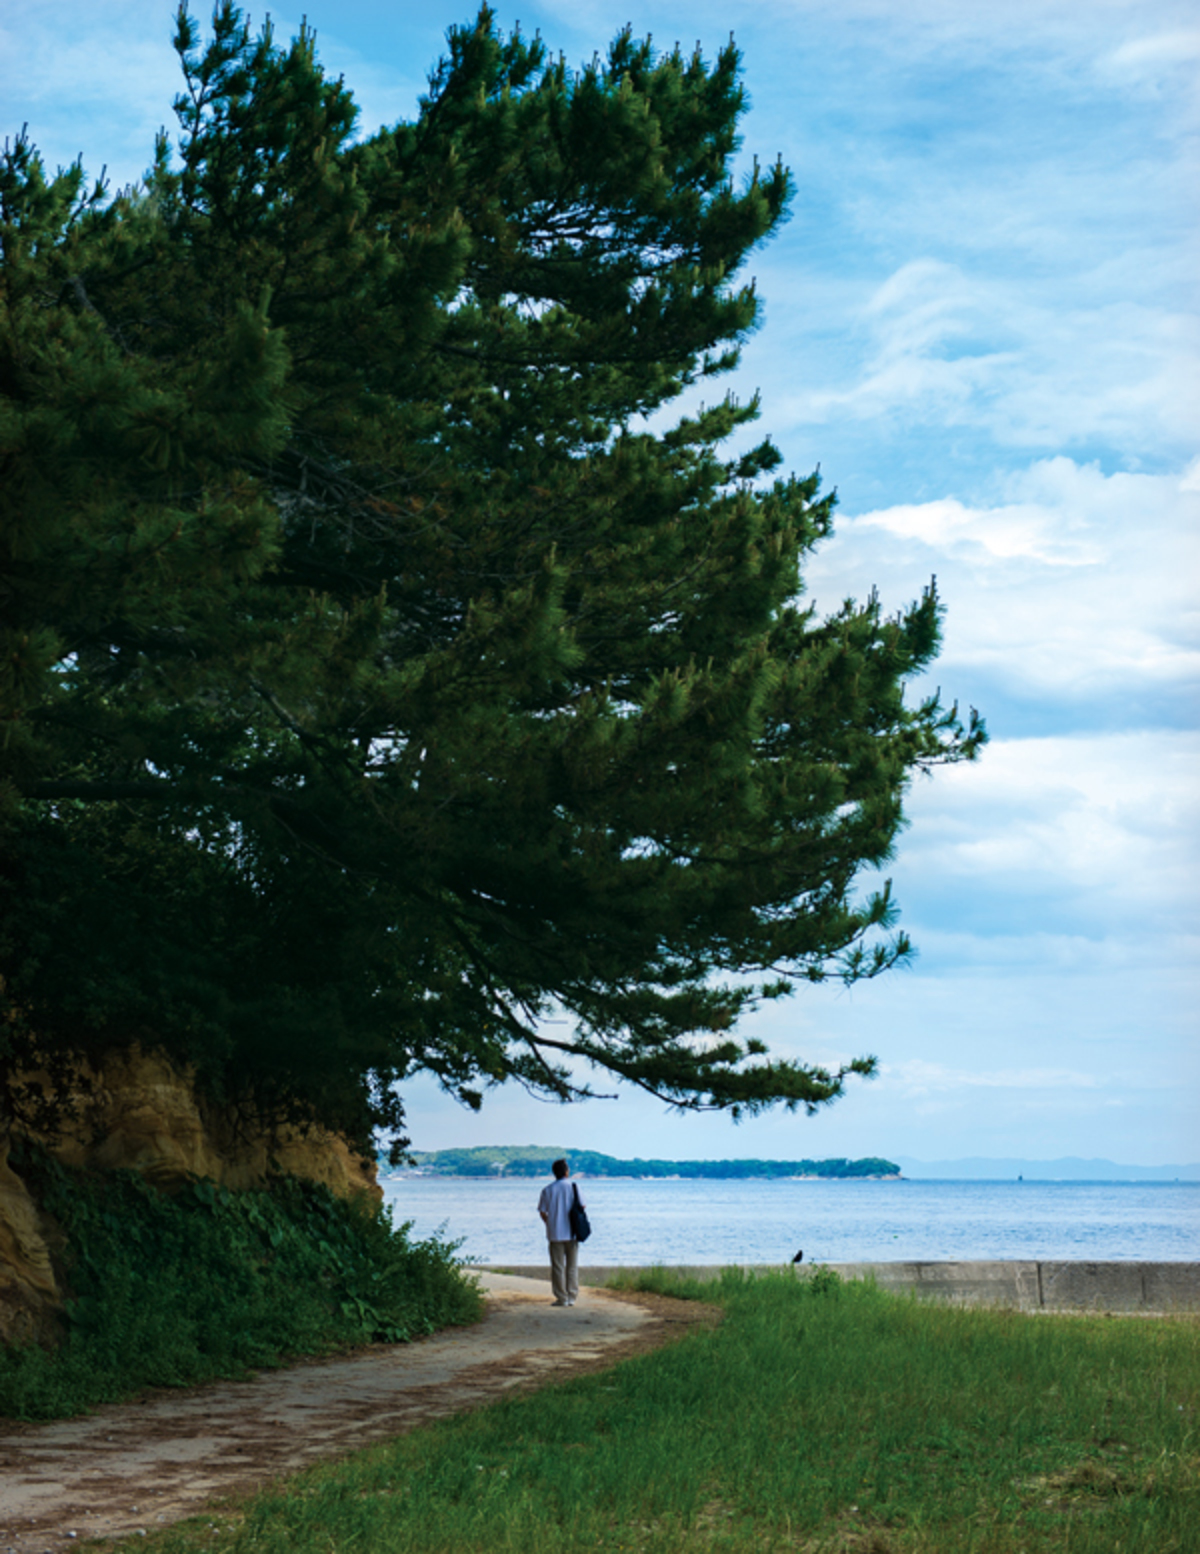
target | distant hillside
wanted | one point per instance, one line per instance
(535, 1160)
(1068, 1168)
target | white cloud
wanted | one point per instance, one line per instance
(96, 81)
(1028, 364)
(918, 1077)
(1078, 590)
(1095, 837)
(1005, 533)
(1156, 50)
(924, 24)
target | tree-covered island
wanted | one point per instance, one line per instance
(534, 1160)
(404, 661)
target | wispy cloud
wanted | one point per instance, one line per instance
(1157, 51)
(91, 82)
(941, 347)
(1095, 835)
(917, 1077)
(1004, 533)
(1075, 595)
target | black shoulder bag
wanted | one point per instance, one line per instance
(577, 1214)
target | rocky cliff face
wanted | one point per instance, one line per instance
(138, 1111)
(29, 1292)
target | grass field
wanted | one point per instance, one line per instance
(817, 1416)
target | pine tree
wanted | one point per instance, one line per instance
(371, 639)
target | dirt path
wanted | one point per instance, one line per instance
(135, 1466)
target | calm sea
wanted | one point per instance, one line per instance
(836, 1222)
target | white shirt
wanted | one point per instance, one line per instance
(555, 1203)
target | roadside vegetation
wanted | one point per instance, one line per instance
(819, 1416)
(167, 1290)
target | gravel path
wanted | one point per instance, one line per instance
(135, 1466)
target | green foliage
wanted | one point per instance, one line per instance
(729, 1283)
(863, 1424)
(369, 613)
(661, 1279)
(534, 1160)
(170, 1290)
(824, 1281)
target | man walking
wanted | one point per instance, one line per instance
(554, 1206)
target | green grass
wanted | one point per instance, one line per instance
(168, 1290)
(816, 1417)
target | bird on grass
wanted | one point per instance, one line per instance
(799, 1257)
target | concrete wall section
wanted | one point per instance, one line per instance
(1150, 1288)
(1121, 1286)
(1010, 1284)
(1171, 1286)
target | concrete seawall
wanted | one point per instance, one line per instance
(1151, 1288)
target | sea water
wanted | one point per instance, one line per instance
(663, 1221)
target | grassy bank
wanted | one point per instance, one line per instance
(819, 1416)
(170, 1290)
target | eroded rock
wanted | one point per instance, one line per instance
(137, 1110)
(29, 1292)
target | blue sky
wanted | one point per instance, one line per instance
(982, 322)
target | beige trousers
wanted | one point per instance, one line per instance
(564, 1270)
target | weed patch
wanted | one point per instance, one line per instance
(171, 1290)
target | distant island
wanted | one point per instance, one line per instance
(535, 1160)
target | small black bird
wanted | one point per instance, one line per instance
(799, 1257)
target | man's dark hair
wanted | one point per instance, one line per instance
(560, 1169)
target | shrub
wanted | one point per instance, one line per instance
(167, 1290)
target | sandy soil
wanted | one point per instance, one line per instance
(136, 1466)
